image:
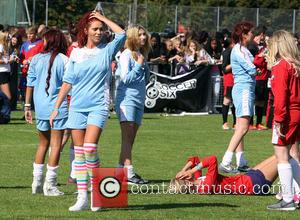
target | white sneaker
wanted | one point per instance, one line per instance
(36, 186)
(227, 168)
(51, 189)
(82, 203)
(95, 209)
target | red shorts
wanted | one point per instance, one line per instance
(291, 132)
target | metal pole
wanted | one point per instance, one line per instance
(134, 13)
(176, 19)
(46, 22)
(15, 13)
(294, 21)
(218, 18)
(27, 12)
(129, 14)
(257, 16)
(33, 13)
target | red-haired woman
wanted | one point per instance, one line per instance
(88, 75)
(44, 81)
(243, 96)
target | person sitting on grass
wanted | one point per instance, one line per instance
(257, 181)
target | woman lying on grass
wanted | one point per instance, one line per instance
(257, 181)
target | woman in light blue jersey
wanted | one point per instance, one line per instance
(88, 75)
(243, 95)
(130, 99)
(44, 81)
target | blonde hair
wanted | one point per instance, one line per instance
(177, 186)
(133, 41)
(283, 45)
(187, 48)
(32, 29)
(4, 41)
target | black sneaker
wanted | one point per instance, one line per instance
(243, 169)
(136, 179)
(282, 205)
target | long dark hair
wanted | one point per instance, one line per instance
(213, 53)
(55, 43)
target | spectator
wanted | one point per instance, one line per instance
(228, 83)
(261, 90)
(214, 50)
(5, 60)
(14, 50)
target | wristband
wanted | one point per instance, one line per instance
(27, 105)
(198, 166)
(55, 109)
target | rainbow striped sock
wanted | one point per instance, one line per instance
(80, 169)
(92, 158)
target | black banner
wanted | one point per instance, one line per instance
(187, 92)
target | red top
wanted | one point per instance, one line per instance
(215, 183)
(261, 64)
(28, 50)
(286, 89)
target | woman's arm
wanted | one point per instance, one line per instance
(27, 106)
(65, 88)
(112, 25)
(128, 75)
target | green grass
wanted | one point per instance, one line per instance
(161, 148)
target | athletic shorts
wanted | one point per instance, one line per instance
(228, 92)
(80, 120)
(291, 132)
(4, 77)
(243, 100)
(130, 113)
(261, 90)
(261, 186)
(58, 124)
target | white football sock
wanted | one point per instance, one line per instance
(130, 172)
(227, 158)
(72, 162)
(286, 179)
(38, 170)
(240, 159)
(51, 174)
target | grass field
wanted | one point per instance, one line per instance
(161, 148)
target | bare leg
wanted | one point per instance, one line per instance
(240, 131)
(294, 152)
(44, 142)
(67, 134)
(236, 142)
(56, 139)
(5, 89)
(269, 168)
(128, 130)
(92, 134)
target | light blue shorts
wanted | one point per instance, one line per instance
(58, 124)
(130, 113)
(80, 120)
(243, 100)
